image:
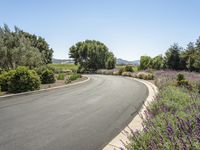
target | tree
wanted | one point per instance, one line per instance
(92, 55)
(40, 44)
(145, 62)
(19, 48)
(173, 57)
(128, 68)
(110, 61)
(158, 62)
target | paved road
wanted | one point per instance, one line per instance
(79, 117)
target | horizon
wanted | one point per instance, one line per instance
(129, 29)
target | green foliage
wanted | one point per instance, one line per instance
(181, 81)
(4, 79)
(40, 69)
(173, 57)
(110, 61)
(145, 76)
(158, 62)
(22, 80)
(47, 77)
(121, 70)
(64, 68)
(128, 68)
(171, 122)
(19, 48)
(145, 62)
(74, 77)
(176, 58)
(180, 77)
(92, 55)
(61, 76)
(197, 86)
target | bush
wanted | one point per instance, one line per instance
(121, 70)
(74, 77)
(197, 86)
(4, 79)
(128, 68)
(22, 80)
(126, 74)
(47, 77)
(180, 77)
(40, 69)
(171, 122)
(145, 76)
(182, 83)
(61, 76)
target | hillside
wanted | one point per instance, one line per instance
(126, 62)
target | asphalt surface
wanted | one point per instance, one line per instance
(78, 117)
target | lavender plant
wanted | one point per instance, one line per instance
(172, 121)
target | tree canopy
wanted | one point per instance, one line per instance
(176, 58)
(19, 48)
(92, 55)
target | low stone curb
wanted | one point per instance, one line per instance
(119, 142)
(48, 89)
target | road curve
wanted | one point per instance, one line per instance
(78, 117)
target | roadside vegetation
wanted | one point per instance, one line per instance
(175, 58)
(64, 67)
(172, 121)
(19, 48)
(25, 63)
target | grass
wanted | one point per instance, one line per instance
(172, 121)
(135, 68)
(64, 66)
(61, 76)
(74, 77)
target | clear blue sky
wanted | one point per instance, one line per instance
(130, 28)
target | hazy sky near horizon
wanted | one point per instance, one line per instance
(130, 28)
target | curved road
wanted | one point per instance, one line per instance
(78, 117)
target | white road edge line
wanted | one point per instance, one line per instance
(117, 143)
(57, 87)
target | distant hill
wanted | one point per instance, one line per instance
(119, 61)
(62, 61)
(126, 62)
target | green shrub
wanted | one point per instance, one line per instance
(74, 77)
(197, 87)
(145, 76)
(121, 70)
(128, 68)
(182, 83)
(61, 76)
(22, 80)
(47, 76)
(180, 77)
(81, 70)
(5, 78)
(173, 116)
(40, 69)
(128, 74)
